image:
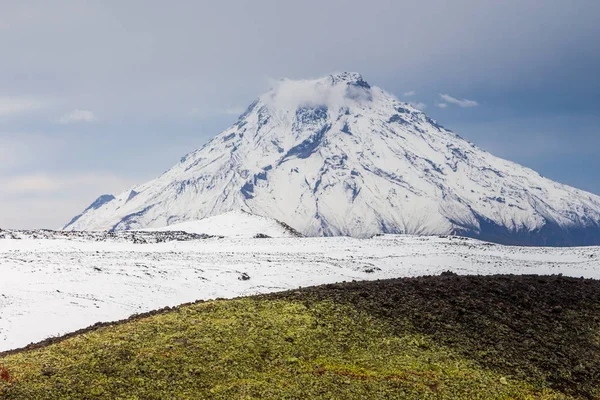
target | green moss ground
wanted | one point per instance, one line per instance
(356, 340)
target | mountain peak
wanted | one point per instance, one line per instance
(350, 78)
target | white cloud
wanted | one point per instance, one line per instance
(461, 103)
(10, 106)
(77, 116)
(418, 105)
(442, 105)
(409, 93)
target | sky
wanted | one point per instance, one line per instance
(98, 96)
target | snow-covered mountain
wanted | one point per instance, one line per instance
(336, 156)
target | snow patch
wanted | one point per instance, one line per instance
(235, 224)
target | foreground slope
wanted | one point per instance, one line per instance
(336, 156)
(444, 337)
(56, 282)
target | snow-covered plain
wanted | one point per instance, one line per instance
(58, 284)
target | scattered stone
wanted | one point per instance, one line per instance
(244, 277)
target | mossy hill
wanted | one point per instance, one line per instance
(444, 337)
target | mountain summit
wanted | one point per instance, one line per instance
(336, 156)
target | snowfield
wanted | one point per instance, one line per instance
(53, 283)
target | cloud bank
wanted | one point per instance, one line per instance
(47, 200)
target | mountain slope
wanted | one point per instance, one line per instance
(99, 202)
(335, 156)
